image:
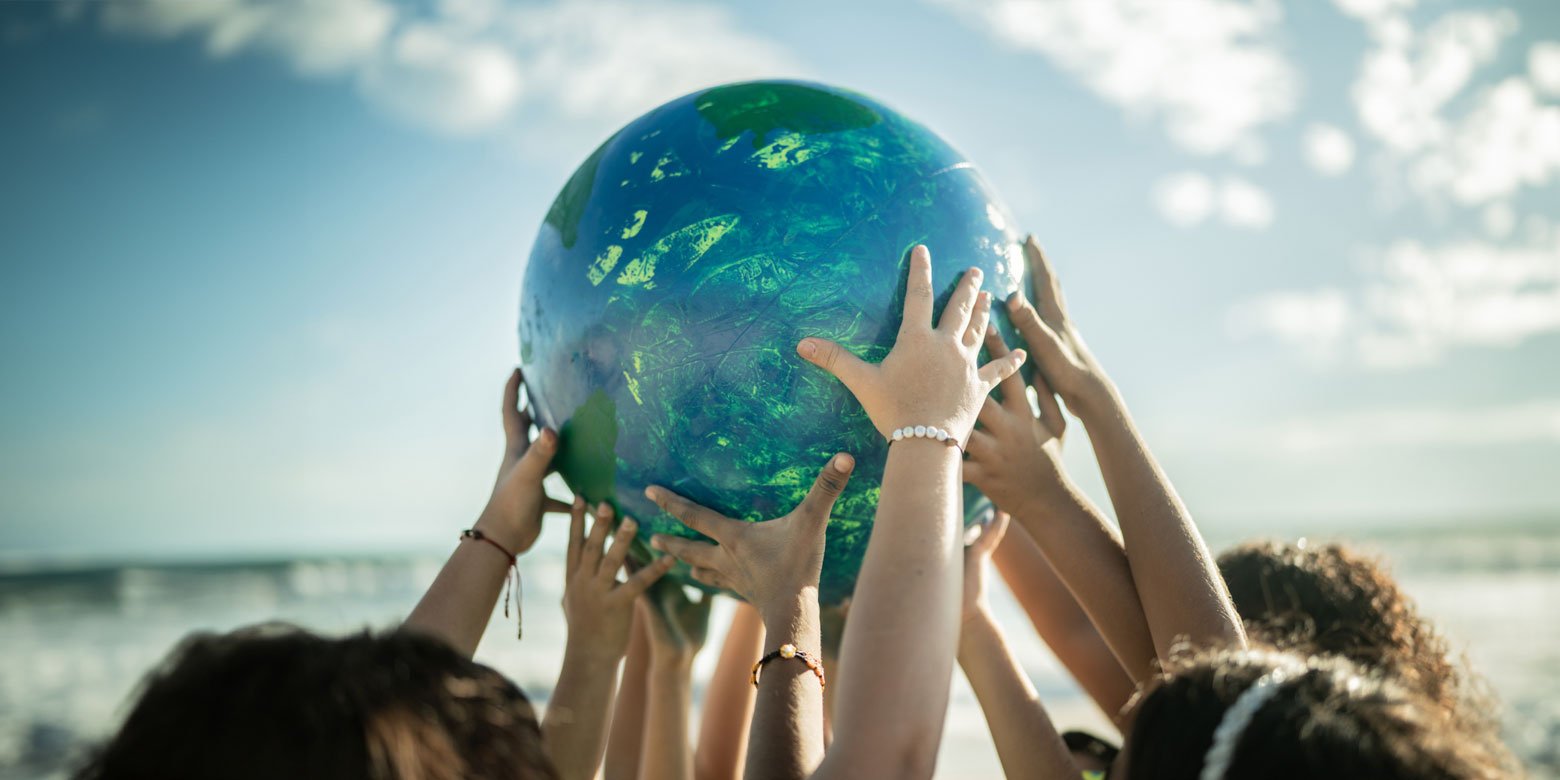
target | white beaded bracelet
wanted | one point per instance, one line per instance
(924, 432)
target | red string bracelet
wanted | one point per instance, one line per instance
(512, 576)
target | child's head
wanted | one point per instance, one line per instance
(279, 702)
(1278, 715)
(1331, 600)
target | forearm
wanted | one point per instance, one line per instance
(666, 754)
(899, 646)
(1027, 743)
(1087, 555)
(575, 726)
(1062, 623)
(1176, 577)
(728, 702)
(628, 715)
(786, 738)
(457, 606)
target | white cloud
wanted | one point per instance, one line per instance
(467, 66)
(1189, 198)
(1210, 70)
(1245, 205)
(314, 37)
(1316, 321)
(1328, 150)
(430, 77)
(1449, 138)
(1184, 199)
(1544, 67)
(1418, 302)
(1408, 78)
(1507, 141)
(1409, 427)
(1499, 220)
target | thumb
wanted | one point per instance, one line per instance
(835, 359)
(533, 464)
(819, 502)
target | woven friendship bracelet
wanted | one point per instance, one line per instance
(925, 432)
(790, 651)
(511, 578)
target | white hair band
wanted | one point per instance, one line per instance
(1233, 725)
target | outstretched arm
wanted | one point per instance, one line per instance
(1180, 587)
(774, 565)
(1027, 742)
(1062, 624)
(677, 628)
(599, 610)
(899, 645)
(728, 701)
(1016, 460)
(628, 714)
(459, 603)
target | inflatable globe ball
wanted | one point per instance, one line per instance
(683, 261)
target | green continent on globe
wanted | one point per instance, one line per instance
(685, 258)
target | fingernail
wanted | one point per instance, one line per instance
(650, 492)
(1021, 355)
(1015, 301)
(656, 543)
(976, 272)
(629, 524)
(579, 503)
(843, 463)
(807, 348)
(548, 437)
(603, 509)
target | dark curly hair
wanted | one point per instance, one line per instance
(1331, 718)
(1329, 599)
(274, 701)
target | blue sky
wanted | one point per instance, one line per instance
(261, 260)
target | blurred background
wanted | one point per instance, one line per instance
(259, 270)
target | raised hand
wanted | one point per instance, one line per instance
(598, 608)
(677, 625)
(977, 565)
(931, 376)
(600, 611)
(513, 516)
(458, 604)
(766, 563)
(1060, 354)
(1015, 457)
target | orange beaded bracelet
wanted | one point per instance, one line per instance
(790, 651)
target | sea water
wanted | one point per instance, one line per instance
(75, 639)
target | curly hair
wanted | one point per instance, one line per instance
(1329, 599)
(1331, 718)
(275, 701)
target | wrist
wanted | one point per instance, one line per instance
(1096, 401)
(505, 533)
(793, 620)
(667, 661)
(584, 652)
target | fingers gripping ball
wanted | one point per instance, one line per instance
(683, 262)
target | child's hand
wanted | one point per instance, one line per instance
(977, 559)
(513, 516)
(597, 606)
(677, 624)
(767, 563)
(1059, 351)
(1015, 458)
(931, 376)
